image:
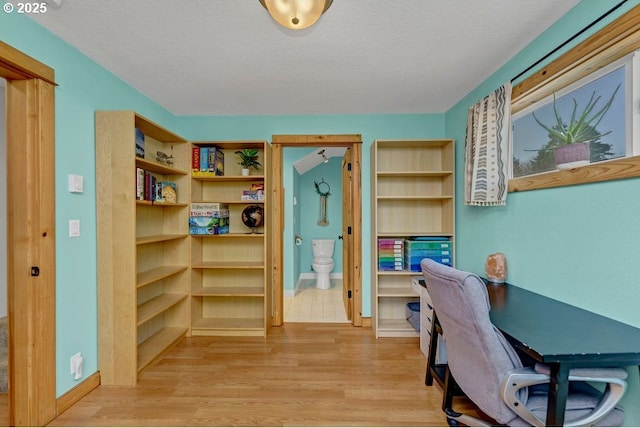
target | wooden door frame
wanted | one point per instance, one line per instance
(31, 241)
(278, 143)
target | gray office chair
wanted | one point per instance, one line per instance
(490, 373)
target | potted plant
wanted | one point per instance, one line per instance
(571, 142)
(248, 159)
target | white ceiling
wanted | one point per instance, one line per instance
(227, 57)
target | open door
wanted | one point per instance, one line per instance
(31, 276)
(347, 241)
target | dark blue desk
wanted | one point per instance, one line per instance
(557, 334)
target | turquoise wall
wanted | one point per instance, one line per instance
(84, 87)
(291, 183)
(371, 127)
(567, 243)
(331, 172)
(577, 244)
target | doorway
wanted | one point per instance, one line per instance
(352, 223)
(313, 211)
(30, 207)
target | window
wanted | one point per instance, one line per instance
(585, 68)
(596, 111)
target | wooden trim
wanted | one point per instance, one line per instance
(16, 65)
(31, 238)
(621, 37)
(317, 140)
(614, 41)
(348, 140)
(76, 393)
(601, 171)
(356, 240)
(366, 322)
(277, 206)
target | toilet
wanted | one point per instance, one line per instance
(322, 261)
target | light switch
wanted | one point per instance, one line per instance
(74, 228)
(76, 183)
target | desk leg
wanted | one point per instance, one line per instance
(558, 391)
(431, 358)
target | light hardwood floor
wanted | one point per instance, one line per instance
(300, 375)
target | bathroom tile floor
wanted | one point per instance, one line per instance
(313, 305)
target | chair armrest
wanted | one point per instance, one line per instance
(520, 378)
(515, 380)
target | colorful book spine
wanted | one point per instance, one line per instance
(140, 184)
(204, 159)
(195, 159)
(212, 160)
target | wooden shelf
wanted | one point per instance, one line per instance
(220, 178)
(416, 198)
(129, 270)
(229, 291)
(158, 168)
(414, 173)
(231, 273)
(228, 265)
(158, 305)
(154, 346)
(397, 292)
(412, 188)
(160, 204)
(156, 274)
(395, 328)
(230, 326)
(158, 238)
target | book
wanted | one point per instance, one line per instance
(195, 159)
(204, 159)
(212, 160)
(139, 184)
(167, 191)
(209, 209)
(218, 162)
(139, 143)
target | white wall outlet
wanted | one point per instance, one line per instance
(76, 365)
(74, 228)
(76, 183)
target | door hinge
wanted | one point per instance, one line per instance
(349, 230)
(35, 271)
(349, 166)
(349, 294)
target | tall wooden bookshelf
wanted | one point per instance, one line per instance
(412, 195)
(143, 247)
(231, 273)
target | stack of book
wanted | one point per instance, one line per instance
(255, 193)
(207, 162)
(209, 218)
(436, 248)
(148, 188)
(390, 254)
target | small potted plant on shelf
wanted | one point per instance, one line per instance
(248, 159)
(571, 142)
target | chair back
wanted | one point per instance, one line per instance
(478, 354)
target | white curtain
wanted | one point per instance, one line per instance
(487, 149)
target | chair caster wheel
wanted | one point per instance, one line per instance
(453, 422)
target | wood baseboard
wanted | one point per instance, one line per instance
(79, 391)
(366, 322)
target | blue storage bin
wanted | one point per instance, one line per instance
(413, 315)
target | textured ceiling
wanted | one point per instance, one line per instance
(227, 57)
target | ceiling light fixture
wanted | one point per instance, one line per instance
(324, 157)
(296, 14)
